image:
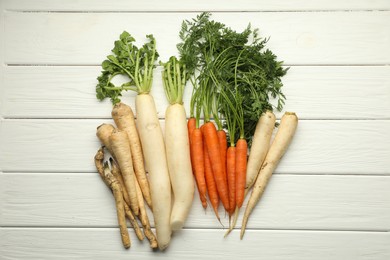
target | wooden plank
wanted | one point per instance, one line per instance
(192, 5)
(319, 147)
(69, 92)
(290, 202)
(42, 244)
(296, 37)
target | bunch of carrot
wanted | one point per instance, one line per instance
(233, 78)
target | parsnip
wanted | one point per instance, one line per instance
(260, 145)
(282, 140)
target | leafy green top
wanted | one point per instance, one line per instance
(174, 78)
(235, 63)
(129, 60)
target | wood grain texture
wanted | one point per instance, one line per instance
(87, 38)
(298, 202)
(319, 146)
(358, 92)
(330, 196)
(48, 244)
(193, 5)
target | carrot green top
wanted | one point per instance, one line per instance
(234, 63)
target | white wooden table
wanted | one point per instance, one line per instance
(330, 196)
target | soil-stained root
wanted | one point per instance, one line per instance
(142, 213)
(120, 205)
(134, 223)
(99, 157)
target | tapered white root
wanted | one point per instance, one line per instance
(152, 141)
(282, 140)
(179, 164)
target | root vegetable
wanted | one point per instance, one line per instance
(116, 189)
(99, 158)
(211, 140)
(282, 140)
(103, 132)
(260, 145)
(179, 164)
(241, 161)
(152, 141)
(231, 175)
(138, 64)
(197, 152)
(210, 182)
(118, 175)
(133, 222)
(119, 143)
(177, 143)
(222, 140)
(124, 119)
(144, 219)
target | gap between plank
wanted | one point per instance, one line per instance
(93, 173)
(284, 65)
(196, 11)
(200, 228)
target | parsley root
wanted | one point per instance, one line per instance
(124, 119)
(119, 143)
(120, 207)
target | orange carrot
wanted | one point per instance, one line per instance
(191, 125)
(231, 174)
(198, 163)
(223, 149)
(241, 160)
(211, 140)
(210, 182)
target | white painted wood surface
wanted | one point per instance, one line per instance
(330, 196)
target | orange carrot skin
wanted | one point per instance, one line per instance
(191, 125)
(223, 150)
(231, 174)
(198, 165)
(211, 140)
(210, 182)
(241, 161)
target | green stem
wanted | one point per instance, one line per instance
(122, 88)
